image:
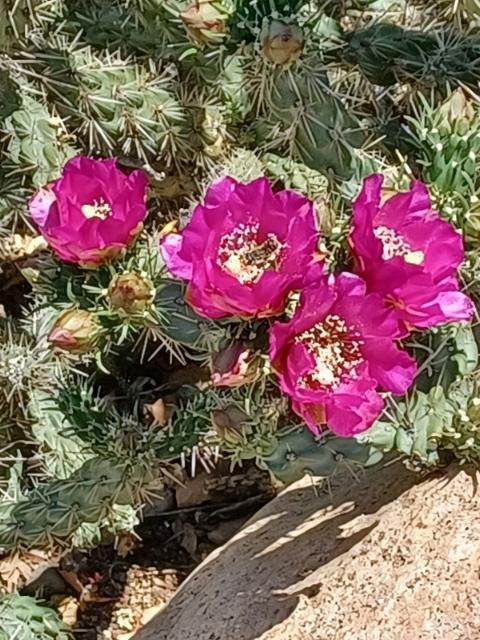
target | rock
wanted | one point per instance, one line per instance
(67, 607)
(387, 558)
(225, 530)
(150, 613)
(45, 582)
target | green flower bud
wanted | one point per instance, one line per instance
(75, 330)
(457, 114)
(130, 292)
(281, 43)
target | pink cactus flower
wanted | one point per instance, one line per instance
(245, 249)
(408, 255)
(334, 354)
(92, 212)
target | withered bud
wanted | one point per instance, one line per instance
(205, 21)
(230, 423)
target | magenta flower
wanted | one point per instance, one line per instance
(244, 250)
(408, 255)
(92, 212)
(336, 351)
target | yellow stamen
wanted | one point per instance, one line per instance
(414, 257)
(99, 209)
(244, 257)
(335, 348)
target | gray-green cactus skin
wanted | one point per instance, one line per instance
(299, 453)
(25, 618)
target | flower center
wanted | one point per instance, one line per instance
(99, 209)
(336, 350)
(395, 246)
(243, 256)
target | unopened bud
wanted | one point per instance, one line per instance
(457, 114)
(130, 292)
(234, 366)
(281, 43)
(75, 330)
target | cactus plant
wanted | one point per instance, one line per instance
(89, 310)
(415, 428)
(35, 141)
(446, 144)
(25, 618)
(298, 452)
(108, 376)
(26, 364)
(53, 511)
(387, 53)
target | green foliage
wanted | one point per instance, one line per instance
(248, 16)
(246, 422)
(26, 364)
(100, 464)
(139, 27)
(447, 146)
(412, 426)
(462, 436)
(10, 100)
(444, 355)
(296, 176)
(62, 450)
(418, 424)
(35, 142)
(424, 427)
(24, 618)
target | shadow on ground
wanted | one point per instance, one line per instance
(267, 585)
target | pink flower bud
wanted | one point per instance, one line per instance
(75, 330)
(234, 366)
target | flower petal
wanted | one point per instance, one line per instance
(170, 246)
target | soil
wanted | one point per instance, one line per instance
(110, 592)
